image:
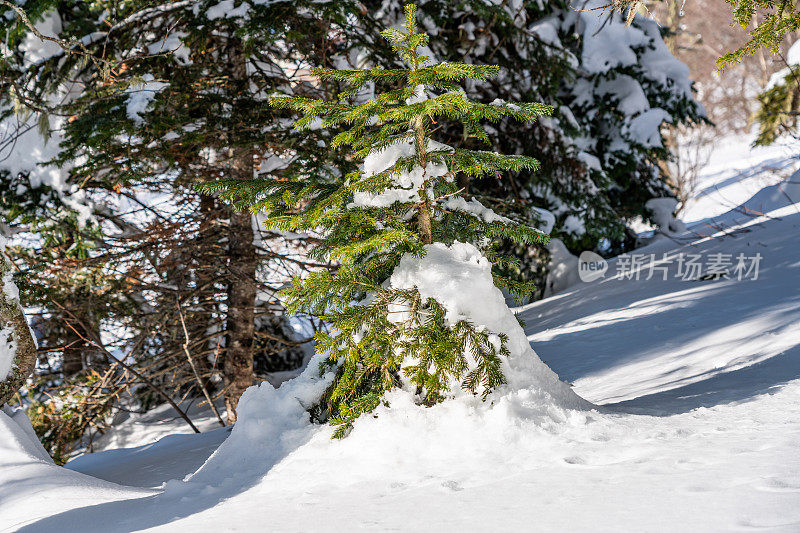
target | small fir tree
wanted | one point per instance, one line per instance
(778, 106)
(404, 198)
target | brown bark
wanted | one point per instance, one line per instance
(238, 365)
(78, 353)
(12, 319)
(237, 368)
(73, 353)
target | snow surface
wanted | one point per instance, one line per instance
(698, 429)
(663, 210)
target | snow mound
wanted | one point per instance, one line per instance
(662, 210)
(459, 277)
(17, 438)
(271, 423)
(562, 268)
(274, 426)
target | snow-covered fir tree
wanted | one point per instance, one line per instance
(412, 248)
(613, 89)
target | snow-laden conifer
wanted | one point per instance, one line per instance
(391, 326)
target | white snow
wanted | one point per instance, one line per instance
(141, 96)
(545, 31)
(547, 219)
(458, 203)
(33, 487)
(226, 9)
(459, 277)
(29, 153)
(644, 128)
(736, 172)
(615, 49)
(172, 44)
(663, 210)
(562, 268)
(628, 92)
(35, 49)
(8, 350)
(698, 382)
(408, 183)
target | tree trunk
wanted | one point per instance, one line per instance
(238, 365)
(72, 359)
(78, 352)
(13, 320)
(424, 207)
(238, 371)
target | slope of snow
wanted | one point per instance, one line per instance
(735, 172)
(151, 465)
(146, 450)
(33, 487)
(699, 381)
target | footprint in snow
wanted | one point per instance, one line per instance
(455, 486)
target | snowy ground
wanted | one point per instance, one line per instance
(697, 429)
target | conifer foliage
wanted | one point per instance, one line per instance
(402, 199)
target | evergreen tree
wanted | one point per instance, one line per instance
(114, 133)
(405, 197)
(614, 92)
(779, 101)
